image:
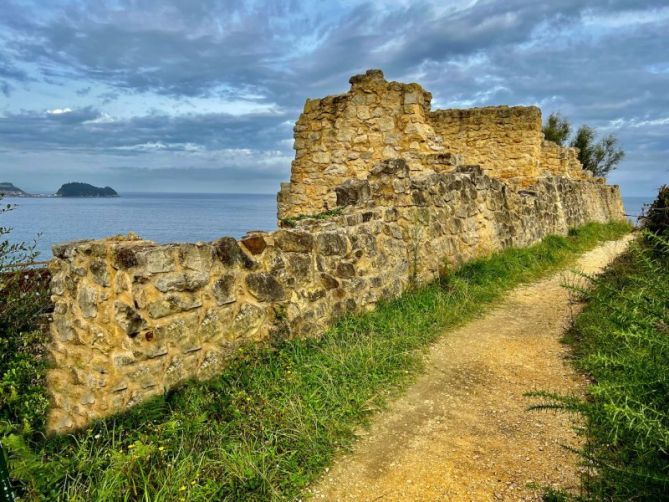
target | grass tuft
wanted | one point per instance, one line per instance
(275, 418)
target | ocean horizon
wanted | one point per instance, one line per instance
(159, 217)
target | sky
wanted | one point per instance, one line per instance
(202, 95)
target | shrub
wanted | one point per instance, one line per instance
(599, 157)
(656, 217)
(23, 302)
(621, 340)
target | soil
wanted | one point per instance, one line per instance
(463, 430)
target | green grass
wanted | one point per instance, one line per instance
(621, 340)
(275, 418)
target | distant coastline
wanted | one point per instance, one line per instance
(68, 190)
(8, 189)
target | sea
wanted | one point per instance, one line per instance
(160, 217)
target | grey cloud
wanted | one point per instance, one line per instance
(69, 117)
(173, 48)
(494, 52)
(9, 73)
(5, 88)
(193, 48)
(88, 130)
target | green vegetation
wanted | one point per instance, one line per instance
(557, 129)
(621, 340)
(23, 300)
(273, 420)
(656, 216)
(600, 158)
(325, 215)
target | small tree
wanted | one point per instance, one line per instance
(557, 129)
(600, 158)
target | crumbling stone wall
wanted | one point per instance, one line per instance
(133, 318)
(505, 141)
(343, 137)
(562, 160)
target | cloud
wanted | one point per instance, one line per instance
(59, 111)
(158, 145)
(172, 82)
(5, 88)
(90, 130)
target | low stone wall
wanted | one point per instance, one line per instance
(133, 318)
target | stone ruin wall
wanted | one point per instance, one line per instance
(133, 318)
(505, 141)
(562, 160)
(342, 137)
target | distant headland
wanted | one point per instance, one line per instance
(73, 189)
(10, 190)
(77, 189)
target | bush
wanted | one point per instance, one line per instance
(23, 302)
(599, 157)
(656, 217)
(621, 340)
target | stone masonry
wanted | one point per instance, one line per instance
(341, 137)
(133, 318)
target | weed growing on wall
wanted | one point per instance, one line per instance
(325, 215)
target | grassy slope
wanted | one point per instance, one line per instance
(621, 340)
(272, 422)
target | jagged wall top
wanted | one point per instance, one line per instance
(342, 137)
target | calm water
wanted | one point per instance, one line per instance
(157, 217)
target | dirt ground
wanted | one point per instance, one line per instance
(463, 431)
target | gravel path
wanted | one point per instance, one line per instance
(462, 431)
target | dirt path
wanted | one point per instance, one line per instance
(462, 431)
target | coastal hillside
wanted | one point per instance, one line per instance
(10, 190)
(76, 189)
